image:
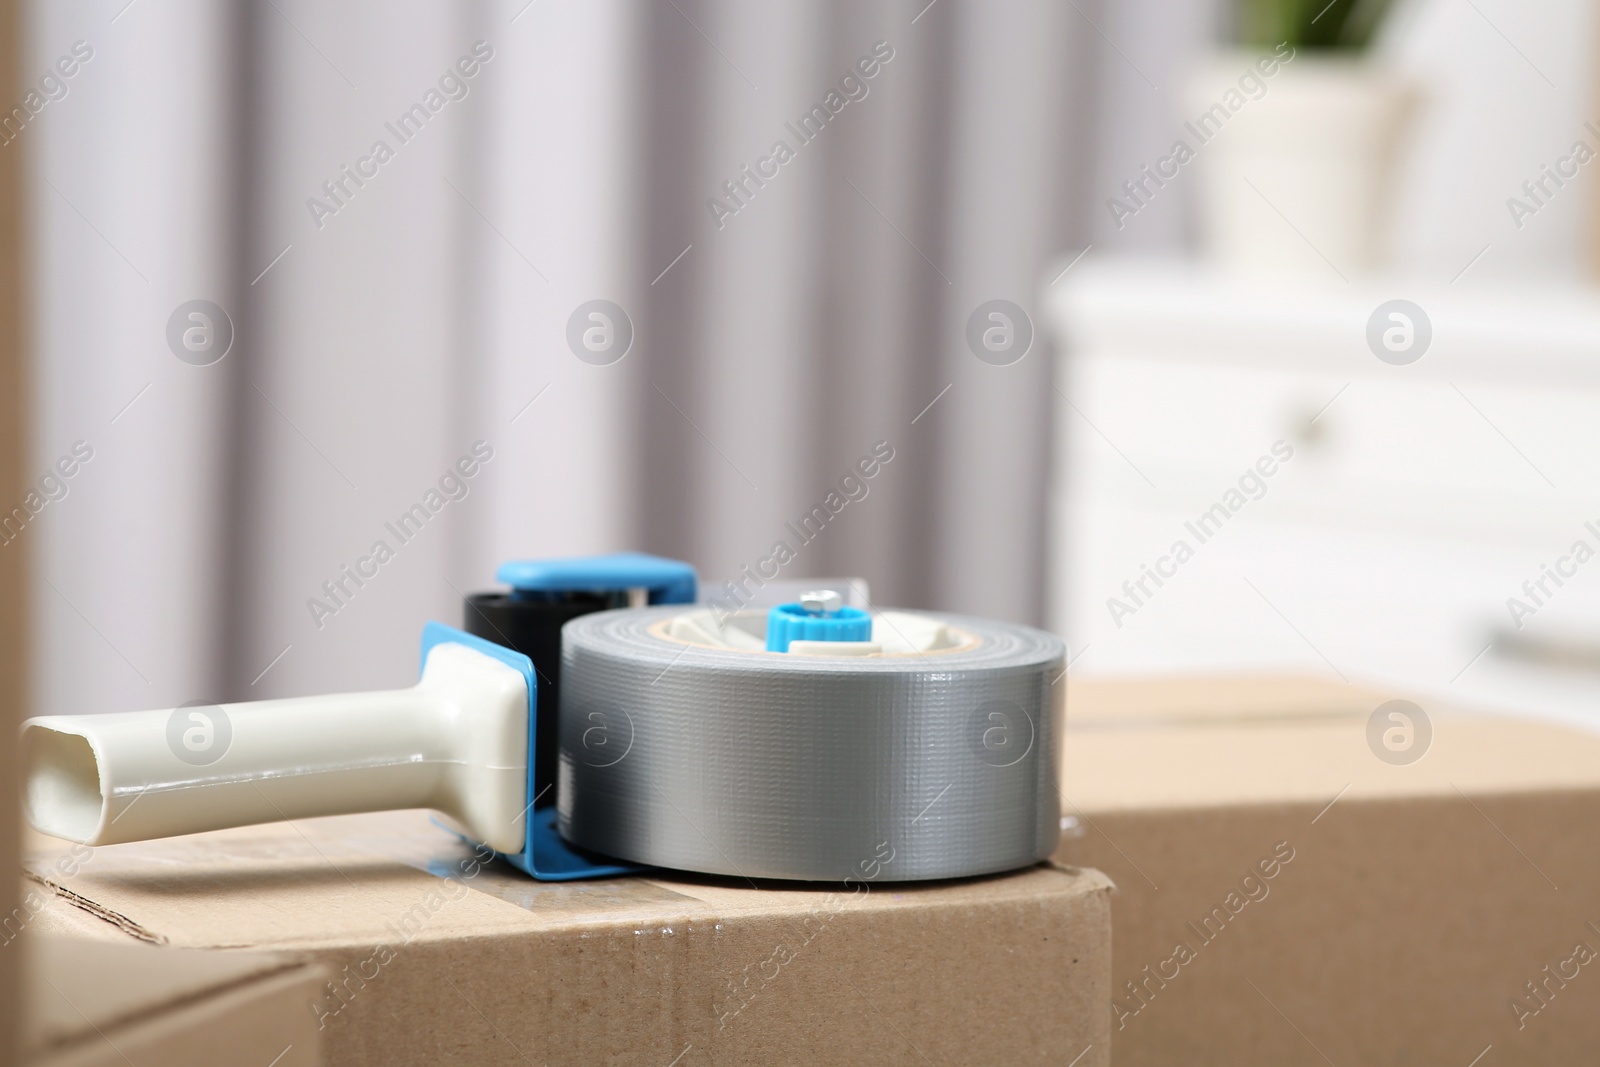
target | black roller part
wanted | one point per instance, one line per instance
(532, 626)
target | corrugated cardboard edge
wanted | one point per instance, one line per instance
(1093, 873)
(99, 911)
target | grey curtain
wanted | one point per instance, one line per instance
(386, 329)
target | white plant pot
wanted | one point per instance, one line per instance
(1297, 179)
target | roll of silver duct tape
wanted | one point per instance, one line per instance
(935, 764)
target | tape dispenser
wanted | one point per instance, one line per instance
(594, 719)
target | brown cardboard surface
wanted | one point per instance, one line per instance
(91, 1003)
(437, 957)
(1415, 904)
(16, 424)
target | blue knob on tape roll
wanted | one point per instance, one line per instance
(819, 616)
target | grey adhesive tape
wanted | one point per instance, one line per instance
(766, 765)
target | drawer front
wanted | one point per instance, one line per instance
(1504, 464)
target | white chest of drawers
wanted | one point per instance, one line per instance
(1416, 503)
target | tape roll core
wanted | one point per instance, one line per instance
(770, 765)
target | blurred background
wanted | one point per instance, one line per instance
(1307, 288)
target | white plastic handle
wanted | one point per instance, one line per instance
(456, 742)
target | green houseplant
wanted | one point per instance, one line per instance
(1318, 25)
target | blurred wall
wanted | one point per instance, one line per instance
(1507, 88)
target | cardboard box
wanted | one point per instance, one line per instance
(437, 957)
(91, 1004)
(1286, 896)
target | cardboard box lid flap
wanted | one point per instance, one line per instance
(395, 876)
(1312, 762)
